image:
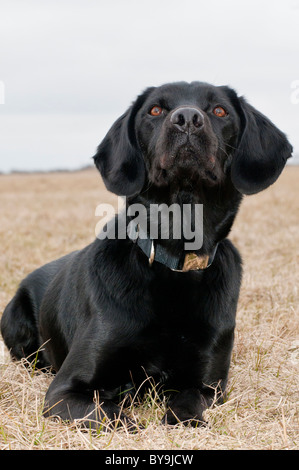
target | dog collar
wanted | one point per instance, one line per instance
(188, 261)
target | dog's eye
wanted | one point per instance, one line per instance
(219, 111)
(156, 111)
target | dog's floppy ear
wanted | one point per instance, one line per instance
(119, 158)
(261, 154)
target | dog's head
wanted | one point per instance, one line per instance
(180, 133)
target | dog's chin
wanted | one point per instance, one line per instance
(184, 178)
(187, 172)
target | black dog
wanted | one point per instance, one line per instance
(122, 310)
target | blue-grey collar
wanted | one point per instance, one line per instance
(155, 252)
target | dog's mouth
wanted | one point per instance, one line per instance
(187, 165)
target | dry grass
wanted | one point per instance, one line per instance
(45, 216)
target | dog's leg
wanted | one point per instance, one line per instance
(202, 378)
(76, 392)
(88, 408)
(210, 379)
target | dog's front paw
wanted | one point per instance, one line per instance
(173, 418)
(187, 408)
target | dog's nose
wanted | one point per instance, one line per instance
(187, 119)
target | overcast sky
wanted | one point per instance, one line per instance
(71, 67)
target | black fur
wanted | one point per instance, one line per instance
(109, 320)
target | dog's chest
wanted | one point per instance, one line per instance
(164, 350)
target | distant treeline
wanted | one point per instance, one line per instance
(293, 161)
(58, 170)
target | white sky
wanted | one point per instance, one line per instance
(71, 67)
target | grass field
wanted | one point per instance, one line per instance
(44, 216)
